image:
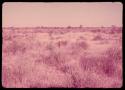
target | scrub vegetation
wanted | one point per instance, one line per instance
(62, 58)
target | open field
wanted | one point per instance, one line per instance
(70, 58)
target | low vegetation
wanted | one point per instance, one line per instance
(36, 60)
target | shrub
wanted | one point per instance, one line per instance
(108, 67)
(61, 43)
(114, 53)
(49, 47)
(52, 60)
(95, 30)
(83, 44)
(69, 27)
(88, 63)
(15, 47)
(12, 76)
(7, 37)
(66, 68)
(112, 57)
(35, 85)
(82, 38)
(76, 81)
(78, 46)
(98, 37)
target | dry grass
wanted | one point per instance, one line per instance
(64, 61)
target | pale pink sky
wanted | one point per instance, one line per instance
(23, 14)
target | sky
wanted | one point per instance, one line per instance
(31, 14)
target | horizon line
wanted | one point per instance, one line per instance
(56, 26)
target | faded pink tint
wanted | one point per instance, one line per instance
(76, 58)
(54, 57)
(22, 14)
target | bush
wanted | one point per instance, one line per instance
(52, 60)
(98, 37)
(14, 47)
(108, 67)
(88, 63)
(61, 43)
(82, 38)
(109, 62)
(114, 53)
(12, 76)
(83, 45)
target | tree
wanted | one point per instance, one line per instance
(80, 26)
(69, 27)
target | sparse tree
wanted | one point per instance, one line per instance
(69, 27)
(80, 26)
